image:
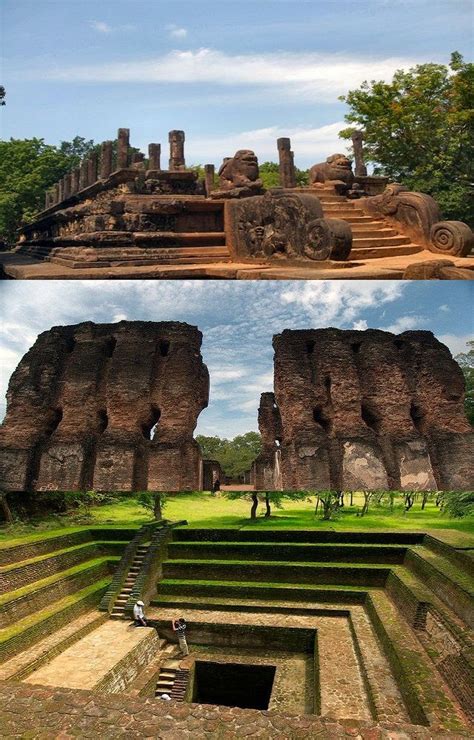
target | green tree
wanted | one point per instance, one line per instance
(234, 455)
(154, 502)
(2, 95)
(270, 175)
(27, 168)
(268, 498)
(457, 504)
(419, 131)
(466, 362)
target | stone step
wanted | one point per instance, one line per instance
(371, 231)
(379, 241)
(197, 255)
(379, 252)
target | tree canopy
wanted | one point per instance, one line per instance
(270, 175)
(27, 168)
(234, 455)
(419, 131)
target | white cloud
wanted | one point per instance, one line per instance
(456, 344)
(307, 142)
(327, 303)
(310, 76)
(360, 325)
(101, 27)
(445, 308)
(176, 32)
(404, 323)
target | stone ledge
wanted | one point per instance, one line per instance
(38, 712)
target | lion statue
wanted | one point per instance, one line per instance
(336, 167)
(240, 171)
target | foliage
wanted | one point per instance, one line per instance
(268, 498)
(270, 175)
(466, 362)
(457, 504)
(2, 95)
(27, 168)
(154, 502)
(419, 130)
(234, 455)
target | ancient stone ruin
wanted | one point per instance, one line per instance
(106, 407)
(122, 209)
(364, 410)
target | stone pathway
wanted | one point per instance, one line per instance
(84, 664)
(45, 713)
(21, 661)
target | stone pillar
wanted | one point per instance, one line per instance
(83, 173)
(154, 156)
(287, 165)
(360, 169)
(74, 180)
(55, 194)
(60, 190)
(137, 157)
(66, 186)
(106, 165)
(47, 199)
(176, 140)
(123, 142)
(209, 170)
(92, 168)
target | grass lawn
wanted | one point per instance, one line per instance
(203, 510)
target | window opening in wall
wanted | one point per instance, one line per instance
(70, 344)
(310, 347)
(110, 346)
(356, 347)
(103, 421)
(416, 416)
(320, 418)
(164, 347)
(149, 429)
(370, 419)
(55, 421)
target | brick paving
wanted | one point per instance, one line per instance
(343, 691)
(35, 712)
(85, 663)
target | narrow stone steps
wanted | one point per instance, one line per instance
(379, 252)
(179, 256)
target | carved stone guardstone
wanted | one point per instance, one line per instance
(419, 214)
(284, 225)
(364, 410)
(106, 407)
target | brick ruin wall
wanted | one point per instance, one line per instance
(364, 410)
(106, 407)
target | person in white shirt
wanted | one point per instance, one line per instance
(138, 614)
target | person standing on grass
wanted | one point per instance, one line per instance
(179, 626)
(138, 614)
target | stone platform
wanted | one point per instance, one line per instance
(98, 660)
(16, 266)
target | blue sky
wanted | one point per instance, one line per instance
(231, 73)
(238, 320)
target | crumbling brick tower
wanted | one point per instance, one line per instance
(106, 407)
(355, 410)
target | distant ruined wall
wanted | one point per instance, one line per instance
(84, 401)
(355, 410)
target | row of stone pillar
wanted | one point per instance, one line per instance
(94, 167)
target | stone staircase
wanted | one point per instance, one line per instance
(172, 680)
(118, 611)
(372, 238)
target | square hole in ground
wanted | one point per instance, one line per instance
(233, 684)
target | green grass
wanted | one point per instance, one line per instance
(203, 510)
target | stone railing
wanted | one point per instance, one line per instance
(419, 216)
(150, 571)
(144, 533)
